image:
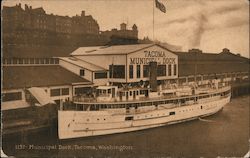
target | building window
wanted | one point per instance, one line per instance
(138, 71)
(99, 75)
(65, 91)
(32, 61)
(117, 71)
(145, 70)
(12, 96)
(56, 61)
(82, 73)
(169, 70)
(26, 61)
(54, 92)
(175, 69)
(131, 71)
(47, 61)
(161, 70)
(37, 61)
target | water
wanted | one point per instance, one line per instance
(224, 134)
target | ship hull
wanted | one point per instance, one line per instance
(74, 124)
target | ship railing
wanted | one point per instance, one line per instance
(104, 95)
(169, 96)
(83, 99)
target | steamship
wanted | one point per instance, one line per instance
(113, 109)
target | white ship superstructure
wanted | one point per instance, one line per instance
(108, 114)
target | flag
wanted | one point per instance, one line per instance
(160, 6)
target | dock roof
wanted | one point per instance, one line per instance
(83, 64)
(15, 77)
(109, 50)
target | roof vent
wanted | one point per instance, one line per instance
(89, 51)
(104, 47)
(194, 51)
(225, 50)
(72, 58)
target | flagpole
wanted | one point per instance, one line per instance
(153, 20)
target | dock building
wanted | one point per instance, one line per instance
(62, 78)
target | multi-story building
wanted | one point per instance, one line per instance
(123, 33)
(33, 26)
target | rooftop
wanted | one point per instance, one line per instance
(107, 50)
(196, 54)
(83, 64)
(38, 76)
(196, 62)
(17, 51)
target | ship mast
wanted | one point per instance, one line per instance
(153, 20)
(195, 68)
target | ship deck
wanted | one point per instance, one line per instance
(84, 100)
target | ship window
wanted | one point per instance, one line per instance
(175, 101)
(141, 92)
(161, 102)
(172, 113)
(138, 71)
(109, 91)
(129, 118)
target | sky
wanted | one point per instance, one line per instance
(209, 25)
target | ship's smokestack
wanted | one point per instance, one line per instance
(153, 76)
